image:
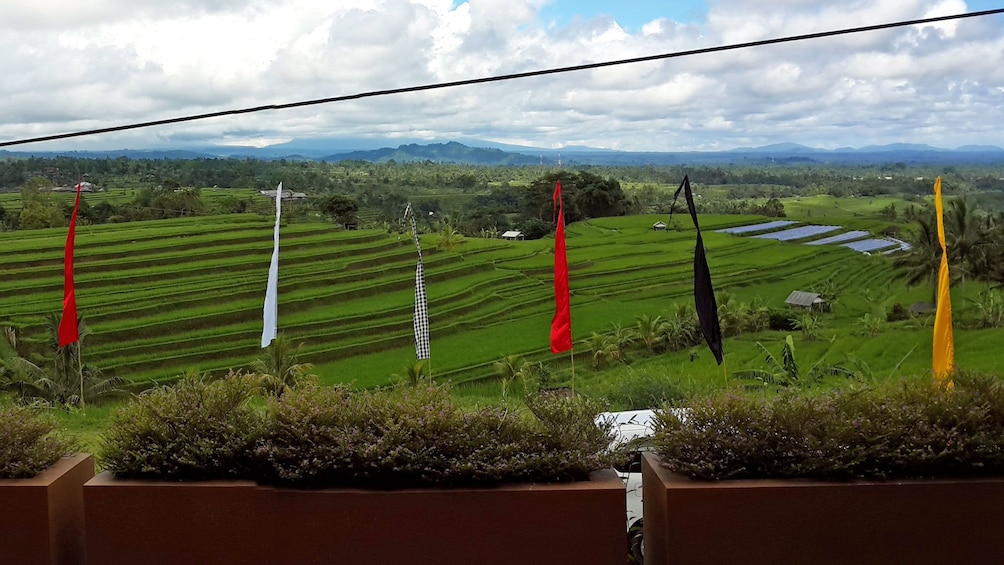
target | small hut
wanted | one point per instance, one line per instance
(659, 226)
(809, 300)
(512, 235)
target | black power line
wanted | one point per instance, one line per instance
(499, 78)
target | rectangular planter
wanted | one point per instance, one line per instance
(240, 522)
(42, 518)
(799, 521)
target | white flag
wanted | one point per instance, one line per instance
(271, 318)
(421, 316)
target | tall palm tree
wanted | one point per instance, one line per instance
(59, 379)
(920, 264)
(280, 367)
(963, 234)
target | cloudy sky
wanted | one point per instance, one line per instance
(70, 65)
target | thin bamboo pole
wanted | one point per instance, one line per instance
(571, 355)
(80, 373)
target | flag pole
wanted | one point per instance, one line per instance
(80, 373)
(571, 355)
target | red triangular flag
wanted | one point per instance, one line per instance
(561, 324)
(68, 324)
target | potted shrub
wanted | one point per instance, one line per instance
(898, 473)
(330, 475)
(41, 491)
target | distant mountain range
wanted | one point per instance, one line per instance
(475, 152)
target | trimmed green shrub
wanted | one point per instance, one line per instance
(29, 443)
(194, 430)
(907, 429)
(327, 437)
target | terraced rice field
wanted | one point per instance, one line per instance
(167, 296)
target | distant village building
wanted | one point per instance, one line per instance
(659, 226)
(286, 196)
(512, 235)
(84, 187)
(809, 300)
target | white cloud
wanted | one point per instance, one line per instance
(77, 65)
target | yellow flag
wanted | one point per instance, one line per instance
(943, 362)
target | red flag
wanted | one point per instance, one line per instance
(68, 324)
(561, 324)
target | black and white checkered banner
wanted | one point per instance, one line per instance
(421, 316)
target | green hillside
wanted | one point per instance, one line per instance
(166, 296)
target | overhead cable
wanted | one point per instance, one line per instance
(500, 78)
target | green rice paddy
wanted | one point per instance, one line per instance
(167, 296)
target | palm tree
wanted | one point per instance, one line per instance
(681, 329)
(651, 330)
(603, 349)
(280, 368)
(963, 233)
(920, 264)
(809, 325)
(871, 325)
(759, 315)
(510, 368)
(733, 316)
(620, 337)
(413, 372)
(449, 238)
(786, 371)
(61, 379)
(989, 309)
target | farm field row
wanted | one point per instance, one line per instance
(174, 295)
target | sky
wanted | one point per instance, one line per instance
(70, 66)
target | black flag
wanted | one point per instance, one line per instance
(704, 292)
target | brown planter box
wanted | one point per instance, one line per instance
(799, 521)
(42, 518)
(240, 522)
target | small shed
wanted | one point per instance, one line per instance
(659, 226)
(809, 300)
(922, 308)
(512, 235)
(84, 187)
(286, 195)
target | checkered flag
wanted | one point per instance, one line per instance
(421, 316)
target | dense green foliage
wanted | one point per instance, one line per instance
(418, 437)
(194, 430)
(57, 377)
(902, 429)
(330, 436)
(974, 241)
(29, 443)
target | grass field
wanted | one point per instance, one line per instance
(168, 296)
